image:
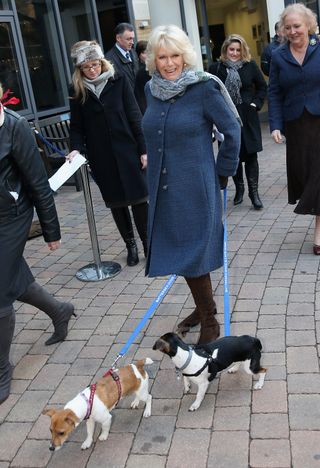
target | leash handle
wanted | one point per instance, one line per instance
(47, 142)
(226, 299)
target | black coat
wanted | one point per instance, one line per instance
(124, 66)
(253, 90)
(141, 79)
(108, 131)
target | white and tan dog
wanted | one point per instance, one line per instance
(95, 405)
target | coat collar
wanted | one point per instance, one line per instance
(285, 51)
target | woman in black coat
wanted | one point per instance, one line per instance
(248, 89)
(142, 76)
(105, 125)
(23, 186)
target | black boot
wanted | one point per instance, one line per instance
(140, 216)
(252, 173)
(201, 290)
(189, 322)
(122, 219)
(59, 312)
(6, 334)
(238, 182)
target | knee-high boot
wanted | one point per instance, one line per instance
(6, 334)
(252, 173)
(201, 290)
(238, 182)
(59, 312)
(122, 219)
(140, 216)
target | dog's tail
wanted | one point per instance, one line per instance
(142, 362)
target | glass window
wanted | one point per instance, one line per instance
(110, 14)
(77, 22)
(10, 75)
(40, 38)
(4, 5)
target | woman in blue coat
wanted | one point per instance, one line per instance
(185, 231)
(294, 109)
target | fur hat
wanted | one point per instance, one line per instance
(85, 51)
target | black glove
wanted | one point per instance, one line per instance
(223, 181)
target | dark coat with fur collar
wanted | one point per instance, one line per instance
(108, 131)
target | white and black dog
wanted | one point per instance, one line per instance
(201, 363)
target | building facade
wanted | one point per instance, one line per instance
(36, 36)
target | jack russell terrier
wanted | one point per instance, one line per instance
(95, 403)
(201, 363)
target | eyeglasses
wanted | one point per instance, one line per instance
(91, 67)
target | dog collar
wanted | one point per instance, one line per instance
(187, 361)
(90, 400)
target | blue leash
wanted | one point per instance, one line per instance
(226, 300)
(145, 318)
(53, 147)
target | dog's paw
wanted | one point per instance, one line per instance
(258, 386)
(147, 413)
(86, 444)
(135, 404)
(103, 436)
(194, 406)
(186, 389)
(233, 370)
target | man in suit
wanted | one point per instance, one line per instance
(122, 55)
(267, 51)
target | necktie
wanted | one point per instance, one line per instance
(128, 56)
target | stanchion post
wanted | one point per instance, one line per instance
(98, 270)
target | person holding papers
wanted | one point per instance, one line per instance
(105, 126)
(23, 186)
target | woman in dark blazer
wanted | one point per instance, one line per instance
(247, 88)
(105, 125)
(185, 215)
(294, 109)
(23, 187)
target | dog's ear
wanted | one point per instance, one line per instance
(49, 412)
(71, 419)
(162, 346)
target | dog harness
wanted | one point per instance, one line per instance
(93, 387)
(206, 364)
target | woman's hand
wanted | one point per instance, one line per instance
(54, 245)
(73, 154)
(276, 135)
(144, 161)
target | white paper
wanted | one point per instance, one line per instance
(66, 171)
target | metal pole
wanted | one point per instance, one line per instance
(98, 270)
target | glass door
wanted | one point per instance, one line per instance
(12, 76)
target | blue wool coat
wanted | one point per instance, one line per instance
(185, 231)
(293, 87)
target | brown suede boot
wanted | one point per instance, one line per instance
(201, 290)
(189, 322)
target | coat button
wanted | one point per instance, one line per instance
(164, 170)
(172, 100)
(165, 187)
(162, 114)
(159, 132)
(159, 150)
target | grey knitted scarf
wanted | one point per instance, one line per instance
(166, 89)
(97, 84)
(233, 81)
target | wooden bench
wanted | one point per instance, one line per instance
(56, 131)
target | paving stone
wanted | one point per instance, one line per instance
(304, 412)
(33, 454)
(183, 448)
(200, 419)
(166, 385)
(49, 377)
(69, 387)
(154, 435)
(271, 321)
(85, 367)
(236, 454)
(272, 398)
(112, 452)
(298, 309)
(275, 296)
(305, 449)
(303, 383)
(146, 461)
(302, 359)
(296, 323)
(235, 382)
(273, 359)
(273, 309)
(233, 398)
(165, 406)
(29, 406)
(272, 339)
(12, 436)
(270, 453)
(269, 426)
(301, 338)
(161, 325)
(252, 291)
(126, 420)
(66, 352)
(231, 419)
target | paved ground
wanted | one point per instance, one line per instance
(274, 294)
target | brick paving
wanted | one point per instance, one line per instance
(275, 295)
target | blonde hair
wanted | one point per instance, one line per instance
(244, 49)
(173, 39)
(309, 16)
(1, 91)
(80, 91)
